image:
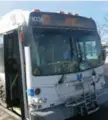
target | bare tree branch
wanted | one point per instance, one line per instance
(103, 29)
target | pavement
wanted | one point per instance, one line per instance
(7, 115)
(102, 114)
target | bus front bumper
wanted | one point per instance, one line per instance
(61, 112)
(56, 113)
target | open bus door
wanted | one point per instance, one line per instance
(14, 73)
(12, 69)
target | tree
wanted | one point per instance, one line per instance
(103, 29)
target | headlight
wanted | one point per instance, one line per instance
(40, 101)
(31, 101)
(37, 101)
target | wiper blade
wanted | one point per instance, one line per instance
(80, 53)
(61, 79)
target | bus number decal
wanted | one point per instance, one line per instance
(37, 19)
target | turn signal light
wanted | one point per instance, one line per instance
(21, 34)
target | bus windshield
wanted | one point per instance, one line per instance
(60, 52)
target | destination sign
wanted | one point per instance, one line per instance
(63, 20)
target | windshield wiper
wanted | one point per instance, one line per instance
(61, 79)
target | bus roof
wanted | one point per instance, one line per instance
(15, 18)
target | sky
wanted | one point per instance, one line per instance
(95, 9)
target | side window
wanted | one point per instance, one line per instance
(16, 46)
(11, 46)
(1, 40)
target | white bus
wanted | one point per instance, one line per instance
(51, 65)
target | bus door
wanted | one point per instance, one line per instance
(14, 73)
(12, 69)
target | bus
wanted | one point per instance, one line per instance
(51, 65)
